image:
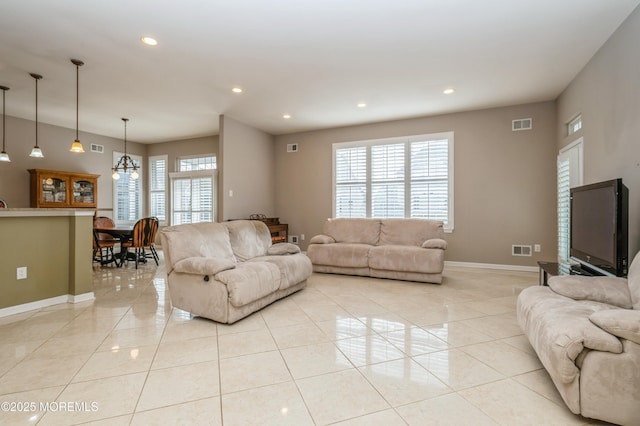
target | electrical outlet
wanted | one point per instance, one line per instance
(537, 248)
(21, 273)
(293, 239)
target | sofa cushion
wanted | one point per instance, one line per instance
(293, 268)
(203, 265)
(409, 231)
(282, 249)
(340, 254)
(321, 239)
(406, 259)
(436, 243)
(348, 230)
(619, 322)
(611, 290)
(207, 239)
(559, 329)
(250, 281)
(248, 238)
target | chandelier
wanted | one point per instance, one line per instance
(125, 162)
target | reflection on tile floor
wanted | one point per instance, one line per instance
(345, 350)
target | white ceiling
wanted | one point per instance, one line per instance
(312, 59)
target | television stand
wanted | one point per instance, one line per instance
(551, 269)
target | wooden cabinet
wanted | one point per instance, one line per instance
(51, 188)
(279, 232)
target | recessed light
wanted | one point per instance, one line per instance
(449, 91)
(149, 41)
(236, 90)
(286, 116)
(362, 105)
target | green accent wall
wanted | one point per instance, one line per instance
(55, 249)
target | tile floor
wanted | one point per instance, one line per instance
(345, 350)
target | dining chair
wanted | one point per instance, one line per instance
(143, 237)
(103, 244)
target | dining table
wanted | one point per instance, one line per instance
(123, 233)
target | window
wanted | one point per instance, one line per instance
(193, 190)
(158, 187)
(399, 177)
(127, 194)
(187, 164)
(574, 125)
(570, 175)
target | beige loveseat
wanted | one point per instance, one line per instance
(226, 271)
(586, 332)
(401, 249)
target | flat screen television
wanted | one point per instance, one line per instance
(599, 227)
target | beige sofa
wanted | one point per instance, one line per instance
(401, 249)
(226, 271)
(586, 332)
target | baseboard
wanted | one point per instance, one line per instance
(39, 304)
(493, 266)
(77, 298)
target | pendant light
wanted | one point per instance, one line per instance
(36, 152)
(76, 146)
(125, 162)
(3, 155)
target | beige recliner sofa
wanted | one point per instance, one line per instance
(401, 249)
(226, 271)
(586, 332)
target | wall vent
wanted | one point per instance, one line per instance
(522, 124)
(292, 147)
(520, 250)
(97, 148)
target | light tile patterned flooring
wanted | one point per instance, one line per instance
(345, 350)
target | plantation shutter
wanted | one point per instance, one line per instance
(387, 180)
(570, 175)
(351, 180)
(158, 187)
(430, 179)
(192, 200)
(564, 210)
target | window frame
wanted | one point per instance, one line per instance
(191, 157)
(571, 125)
(407, 140)
(197, 174)
(138, 160)
(164, 191)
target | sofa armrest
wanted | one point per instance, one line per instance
(436, 243)
(203, 265)
(610, 290)
(283, 248)
(623, 323)
(322, 239)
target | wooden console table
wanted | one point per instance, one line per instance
(279, 232)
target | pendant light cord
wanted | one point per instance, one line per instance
(77, 98)
(125, 135)
(36, 108)
(4, 91)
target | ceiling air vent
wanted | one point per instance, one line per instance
(520, 250)
(522, 124)
(292, 147)
(97, 148)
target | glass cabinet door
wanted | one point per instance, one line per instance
(54, 190)
(84, 194)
